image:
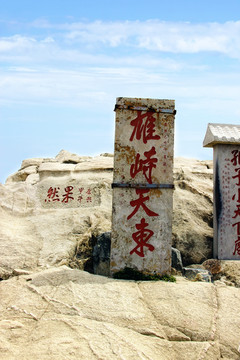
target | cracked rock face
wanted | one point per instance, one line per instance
(66, 313)
(51, 207)
(51, 309)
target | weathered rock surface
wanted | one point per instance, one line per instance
(59, 232)
(66, 313)
(193, 210)
(41, 228)
(50, 309)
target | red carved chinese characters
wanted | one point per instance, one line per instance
(141, 237)
(52, 194)
(145, 166)
(140, 202)
(143, 130)
(237, 242)
(144, 127)
(81, 194)
(67, 196)
(237, 176)
(236, 157)
(236, 162)
(89, 198)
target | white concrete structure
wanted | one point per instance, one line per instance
(225, 140)
(143, 185)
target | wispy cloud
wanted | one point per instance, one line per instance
(74, 63)
(175, 37)
(151, 35)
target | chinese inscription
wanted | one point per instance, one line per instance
(236, 198)
(144, 130)
(227, 202)
(65, 195)
(142, 213)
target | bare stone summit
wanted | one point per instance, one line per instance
(51, 309)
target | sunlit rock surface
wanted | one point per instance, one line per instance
(51, 309)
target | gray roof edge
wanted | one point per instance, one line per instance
(210, 139)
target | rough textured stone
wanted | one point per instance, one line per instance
(38, 233)
(142, 217)
(68, 158)
(193, 210)
(22, 174)
(63, 313)
(177, 260)
(49, 311)
(101, 254)
(212, 265)
(226, 202)
(31, 162)
(197, 274)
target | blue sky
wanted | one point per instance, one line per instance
(63, 63)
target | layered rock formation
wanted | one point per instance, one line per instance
(52, 211)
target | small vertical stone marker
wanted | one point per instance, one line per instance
(143, 185)
(225, 140)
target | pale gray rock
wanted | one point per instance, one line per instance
(197, 274)
(193, 210)
(96, 163)
(63, 313)
(31, 162)
(22, 175)
(68, 158)
(51, 222)
(32, 179)
(177, 260)
(49, 311)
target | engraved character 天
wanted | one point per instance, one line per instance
(237, 212)
(140, 202)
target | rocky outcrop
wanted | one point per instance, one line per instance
(55, 217)
(193, 210)
(39, 199)
(50, 219)
(66, 313)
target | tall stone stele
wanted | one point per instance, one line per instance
(225, 140)
(143, 185)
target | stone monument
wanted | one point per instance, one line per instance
(225, 140)
(143, 185)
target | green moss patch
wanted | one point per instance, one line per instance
(132, 274)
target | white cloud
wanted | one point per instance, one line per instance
(123, 43)
(179, 37)
(134, 66)
(16, 43)
(151, 35)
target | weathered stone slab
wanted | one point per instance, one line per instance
(227, 202)
(143, 178)
(225, 139)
